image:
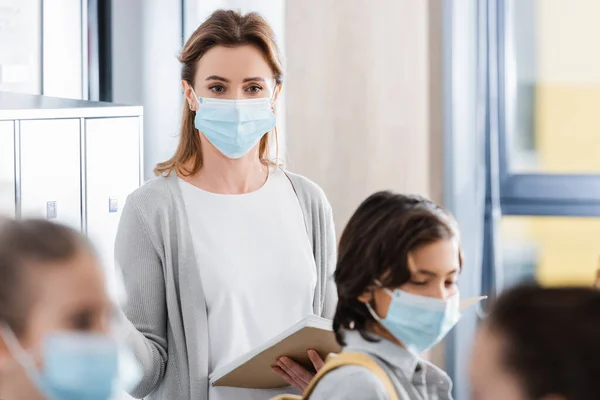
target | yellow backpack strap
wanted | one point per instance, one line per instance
(287, 397)
(356, 359)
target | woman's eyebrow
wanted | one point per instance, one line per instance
(217, 78)
(257, 78)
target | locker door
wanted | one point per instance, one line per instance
(50, 170)
(113, 172)
(7, 171)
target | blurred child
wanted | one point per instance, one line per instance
(56, 340)
(539, 344)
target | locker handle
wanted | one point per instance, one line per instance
(113, 204)
(51, 210)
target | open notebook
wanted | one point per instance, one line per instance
(253, 369)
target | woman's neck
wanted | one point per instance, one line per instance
(222, 175)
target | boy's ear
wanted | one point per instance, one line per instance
(366, 296)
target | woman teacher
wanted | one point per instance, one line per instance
(223, 249)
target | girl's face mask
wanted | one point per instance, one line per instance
(78, 366)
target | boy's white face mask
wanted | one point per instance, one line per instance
(418, 322)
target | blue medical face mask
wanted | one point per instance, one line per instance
(419, 322)
(234, 127)
(78, 366)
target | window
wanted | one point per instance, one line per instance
(552, 86)
(548, 85)
(522, 140)
(549, 249)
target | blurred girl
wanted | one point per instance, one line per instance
(55, 314)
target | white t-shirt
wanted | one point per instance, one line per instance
(257, 269)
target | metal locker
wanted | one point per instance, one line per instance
(7, 169)
(112, 165)
(50, 170)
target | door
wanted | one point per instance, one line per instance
(50, 170)
(113, 172)
(7, 169)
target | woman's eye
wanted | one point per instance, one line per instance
(217, 88)
(451, 283)
(419, 283)
(254, 89)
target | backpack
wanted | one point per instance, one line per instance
(344, 359)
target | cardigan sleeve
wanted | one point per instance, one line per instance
(318, 217)
(329, 255)
(140, 265)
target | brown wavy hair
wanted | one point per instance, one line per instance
(223, 28)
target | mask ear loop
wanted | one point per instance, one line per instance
(368, 304)
(196, 97)
(272, 99)
(380, 285)
(372, 312)
(15, 348)
(23, 358)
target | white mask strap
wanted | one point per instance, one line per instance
(15, 348)
(380, 285)
(372, 312)
(10, 339)
(196, 97)
(370, 308)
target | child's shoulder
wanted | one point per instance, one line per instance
(438, 377)
(350, 381)
(433, 370)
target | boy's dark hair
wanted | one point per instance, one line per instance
(551, 339)
(375, 245)
(24, 246)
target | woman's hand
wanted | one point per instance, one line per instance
(295, 374)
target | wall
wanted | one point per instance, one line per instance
(21, 46)
(359, 110)
(25, 57)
